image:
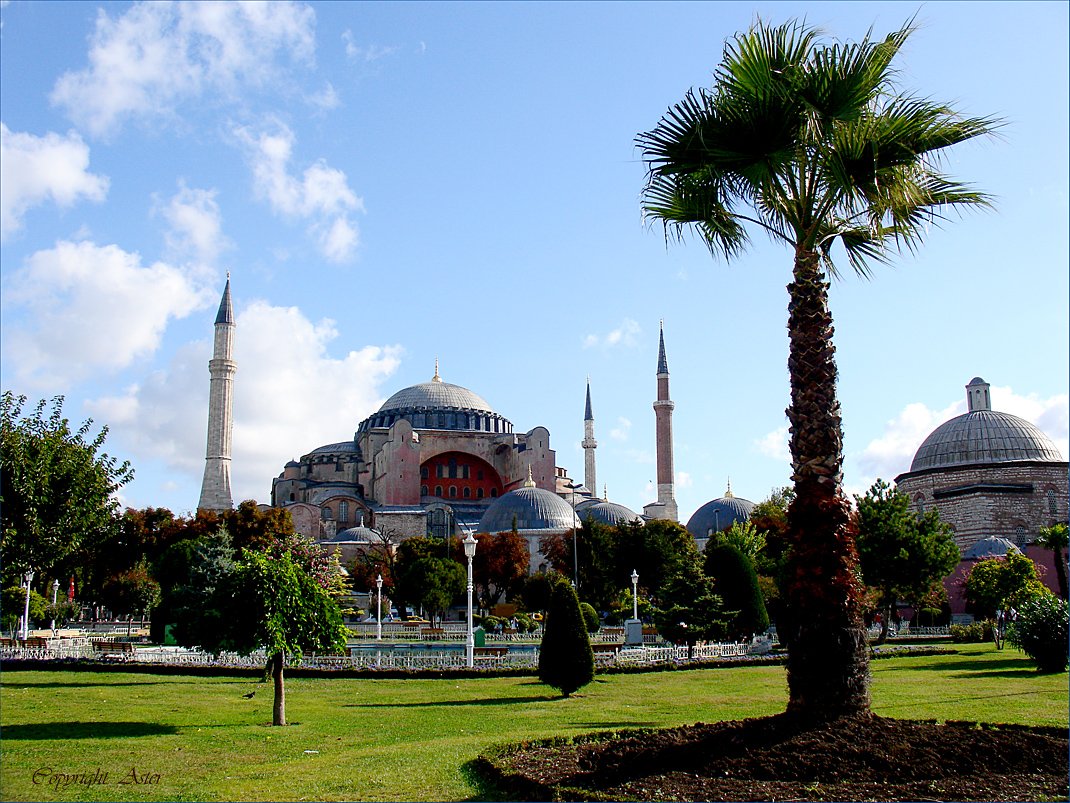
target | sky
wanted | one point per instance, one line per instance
(388, 184)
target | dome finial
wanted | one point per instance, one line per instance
(436, 377)
(605, 492)
(529, 482)
(728, 493)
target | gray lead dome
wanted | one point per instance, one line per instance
(438, 405)
(984, 436)
(531, 509)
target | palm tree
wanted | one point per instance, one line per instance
(810, 143)
(1055, 538)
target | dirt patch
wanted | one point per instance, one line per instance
(777, 759)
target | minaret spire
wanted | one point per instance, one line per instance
(215, 487)
(665, 507)
(589, 445)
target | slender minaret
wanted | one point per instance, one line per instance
(665, 507)
(215, 488)
(589, 445)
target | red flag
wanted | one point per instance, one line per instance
(70, 591)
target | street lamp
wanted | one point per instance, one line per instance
(28, 579)
(575, 524)
(55, 591)
(379, 608)
(470, 644)
(635, 594)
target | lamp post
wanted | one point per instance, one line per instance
(470, 644)
(28, 579)
(55, 592)
(575, 525)
(379, 608)
(635, 594)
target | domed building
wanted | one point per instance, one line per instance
(717, 515)
(429, 461)
(534, 512)
(605, 512)
(989, 474)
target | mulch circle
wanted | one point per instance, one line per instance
(778, 758)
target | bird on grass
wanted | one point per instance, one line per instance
(250, 695)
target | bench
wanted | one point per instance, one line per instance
(114, 649)
(35, 643)
(490, 652)
(605, 649)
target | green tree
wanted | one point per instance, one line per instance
(692, 610)
(590, 617)
(13, 604)
(745, 537)
(566, 660)
(131, 592)
(499, 566)
(735, 580)
(812, 144)
(1055, 539)
(56, 486)
(1042, 631)
(995, 586)
(902, 554)
(434, 583)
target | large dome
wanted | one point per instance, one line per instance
(438, 405)
(529, 508)
(983, 436)
(717, 514)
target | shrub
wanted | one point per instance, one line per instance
(524, 623)
(490, 623)
(566, 660)
(736, 582)
(590, 617)
(1042, 631)
(973, 633)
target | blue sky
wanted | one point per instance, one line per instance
(391, 183)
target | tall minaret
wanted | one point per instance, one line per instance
(215, 488)
(589, 445)
(665, 507)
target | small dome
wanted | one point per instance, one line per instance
(983, 436)
(345, 447)
(717, 514)
(531, 508)
(605, 512)
(991, 547)
(357, 535)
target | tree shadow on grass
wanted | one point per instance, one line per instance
(1016, 665)
(86, 730)
(545, 698)
(78, 684)
(486, 790)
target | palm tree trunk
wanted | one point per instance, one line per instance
(828, 658)
(278, 713)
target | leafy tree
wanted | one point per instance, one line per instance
(566, 660)
(1042, 631)
(380, 557)
(812, 144)
(692, 609)
(56, 486)
(590, 617)
(995, 586)
(902, 554)
(433, 583)
(132, 591)
(192, 575)
(499, 566)
(657, 549)
(13, 604)
(735, 580)
(745, 537)
(538, 589)
(1055, 539)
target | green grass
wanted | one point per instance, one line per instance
(413, 739)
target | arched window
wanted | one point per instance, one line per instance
(438, 490)
(493, 492)
(453, 492)
(325, 513)
(343, 511)
(1019, 537)
(1053, 506)
(439, 523)
(919, 500)
(479, 493)
(423, 490)
(467, 492)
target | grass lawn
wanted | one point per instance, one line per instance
(194, 738)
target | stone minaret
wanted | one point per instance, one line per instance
(665, 507)
(215, 488)
(589, 445)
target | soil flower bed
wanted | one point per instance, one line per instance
(777, 759)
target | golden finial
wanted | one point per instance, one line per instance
(529, 482)
(728, 493)
(436, 377)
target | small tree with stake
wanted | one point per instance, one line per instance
(566, 660)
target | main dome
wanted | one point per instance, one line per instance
(982, 436)
(438, 405)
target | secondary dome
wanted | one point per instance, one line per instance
(438, 405)
(983, 435)
(990, 547)
(606, 512)
(528, 508)
(717, 514)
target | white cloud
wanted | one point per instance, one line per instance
(36, 169)
(775, 445)
(322, 193)
(326, 99)
(620, 432)
(151, 58)
(290, 396)
(683, 480)
(92, 308)
(367, 53)
(623, 335)
(195, 226)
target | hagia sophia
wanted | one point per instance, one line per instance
(435, 459)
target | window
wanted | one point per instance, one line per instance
(493, 492)
(423, 472)
(1053, 506)
(479, 493)
(325, 513)
(1019, 537)
(338, 464)
(464, 472)
(467, 492)
(919, 500)
(438, 490)
(343, 511)
(453, 492)
(423, 490)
